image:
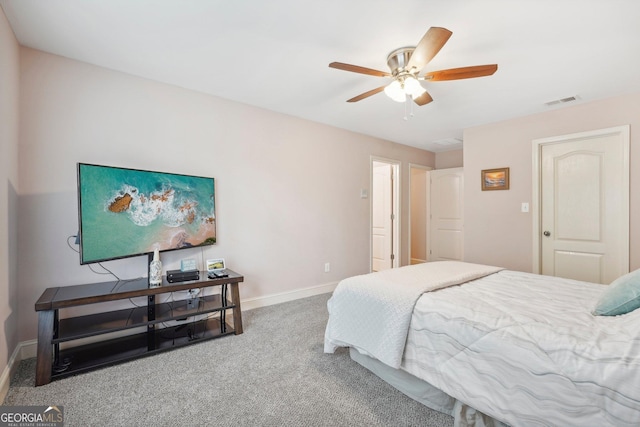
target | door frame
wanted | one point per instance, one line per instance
(397, 211)
(426, 169)
(536, 208)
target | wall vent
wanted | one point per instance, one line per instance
(562, 101)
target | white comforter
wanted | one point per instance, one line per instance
(525, 349)
(372, 312)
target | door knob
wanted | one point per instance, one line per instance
(547, 234)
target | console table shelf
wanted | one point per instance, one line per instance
(105, 353)
(111, 321)
(196, 322)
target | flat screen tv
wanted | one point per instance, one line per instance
(130, 212)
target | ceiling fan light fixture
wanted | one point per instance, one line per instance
(413, 87)
(394, 91)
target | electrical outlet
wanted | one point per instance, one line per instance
(327, 267)
(193, 303)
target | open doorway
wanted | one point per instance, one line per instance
(385, 214)
(418, 211)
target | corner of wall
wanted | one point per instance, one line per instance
(9, 111)
(449, 159)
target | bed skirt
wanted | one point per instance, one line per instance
(426, 394)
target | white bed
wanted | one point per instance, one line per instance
(506, 347)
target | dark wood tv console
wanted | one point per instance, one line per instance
(199, 319)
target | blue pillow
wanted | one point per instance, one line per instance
(623, 296)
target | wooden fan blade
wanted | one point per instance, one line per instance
(428, 47)
(461, 73)
(358, 69)
(366, 94)
(423, 99)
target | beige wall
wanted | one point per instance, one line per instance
(287, 189)
(496, 232)
(9, 97)
(449, 159)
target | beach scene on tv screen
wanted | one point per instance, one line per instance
(126, 212)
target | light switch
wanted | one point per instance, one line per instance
(364, 193)
(525, 207)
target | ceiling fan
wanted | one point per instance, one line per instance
(406, 63)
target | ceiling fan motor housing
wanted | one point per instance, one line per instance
(398, 60)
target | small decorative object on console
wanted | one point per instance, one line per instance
(215, 264)
(188, 264)
(155, 270)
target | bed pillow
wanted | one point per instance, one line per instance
(622, 296)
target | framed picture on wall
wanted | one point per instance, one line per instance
(495, 179)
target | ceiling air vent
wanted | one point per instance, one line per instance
(562, 101)
(448, 141)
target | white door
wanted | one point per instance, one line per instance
(446, 214)
(383, 216)
(584, 213)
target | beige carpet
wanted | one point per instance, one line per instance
(275, 374)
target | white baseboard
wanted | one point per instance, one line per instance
(10, 369)
(28, 349)
(251, 303)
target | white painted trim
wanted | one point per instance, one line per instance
(397, 190)
(29, 349)
(426, 169)
(264, 301)
(536, 204)
(9, 370)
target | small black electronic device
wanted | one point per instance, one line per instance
(217, 274)
(182, 276)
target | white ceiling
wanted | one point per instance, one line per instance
(275, 54)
